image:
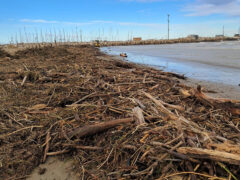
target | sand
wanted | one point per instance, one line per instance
(217, 90)
(54, 169)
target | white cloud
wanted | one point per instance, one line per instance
(209, 7)
(42, 21)
(142, 1)
(216, 2)
(38, 21)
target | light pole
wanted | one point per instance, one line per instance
(223, 31)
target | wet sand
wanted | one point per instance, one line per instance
(217, 90)
(54, 169)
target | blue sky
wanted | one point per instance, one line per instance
(116, 19)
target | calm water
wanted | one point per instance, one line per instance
(216, 62)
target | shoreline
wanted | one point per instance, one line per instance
(217, 90)
(214, 89)
(122, 43)
(178, 53)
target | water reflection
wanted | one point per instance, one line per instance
(194, 70)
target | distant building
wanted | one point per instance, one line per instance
(237, 35)
(137, 39)
(193, 36)
(219, 36)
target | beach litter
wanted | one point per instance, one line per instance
(123, 54)
(115, 119)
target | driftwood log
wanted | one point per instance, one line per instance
(233, 106)
(97, 128)
(210, 154)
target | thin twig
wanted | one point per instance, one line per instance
(106, 159)
(199, 174)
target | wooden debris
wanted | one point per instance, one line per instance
(46, 147)
(138, 114)
(90, 148)
(194, 127)
(57, 153)
(210, 154)
(226, 147)
(141, 105)
(97, 128)
(232, 105)
(24, 80)
(123, 54)
(184, 93)
(75, 92)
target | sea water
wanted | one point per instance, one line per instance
(209, 61)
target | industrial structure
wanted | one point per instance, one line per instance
(137, 39)
(193, 36)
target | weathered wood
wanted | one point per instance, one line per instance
(47, 146)
(91, 148)
(184, 93)
(179, 155)
(172, 116)
(138, 114)
(226, 147)
(158, 101)
(210, 154)
(201, 95)
(231, 105)
(160, 105)
(96, 128)
(24, 80)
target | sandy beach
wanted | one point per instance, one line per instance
(217, 90)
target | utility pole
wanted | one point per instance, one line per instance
(168, 25)
(223, 31)
(81, 36)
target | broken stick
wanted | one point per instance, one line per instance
(231, 105)
(192, 125)
(24, 79)
(210, 154)
(47, 146)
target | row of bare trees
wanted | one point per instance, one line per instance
(54, 35)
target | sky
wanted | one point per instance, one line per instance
(36, 20)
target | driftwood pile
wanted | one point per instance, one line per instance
(115, 119)
(4, 54)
